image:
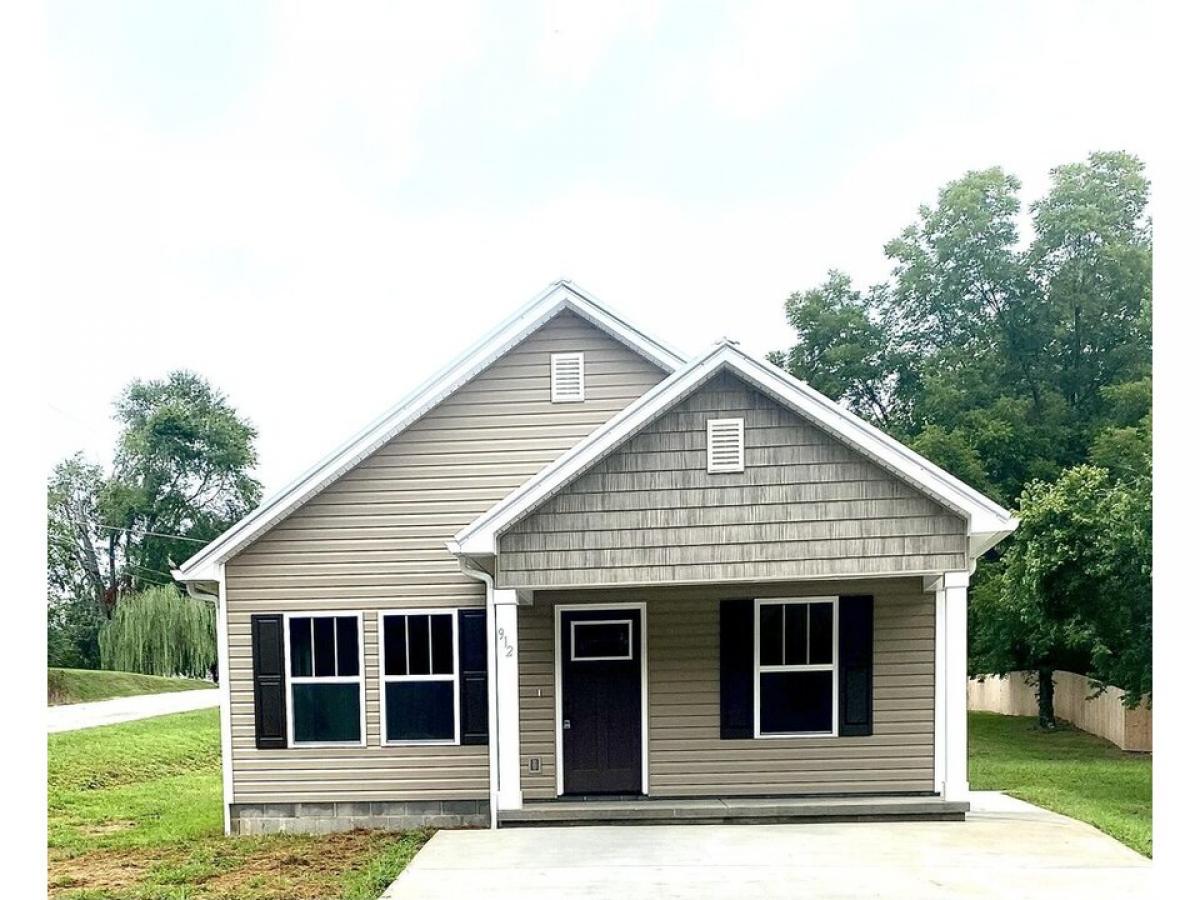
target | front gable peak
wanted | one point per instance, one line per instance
(558, 297)
(986, 522)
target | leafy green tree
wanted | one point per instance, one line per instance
(77, 579)
(1074, 588)
(958, 280)
(75, 552)
(1005, 362)
(1091, 258)
(181, 473)
(844, 350)
(180, 478)
(72, 634)
(953, 452)
(1008, 354)
(1123, 441)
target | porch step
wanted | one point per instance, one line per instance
(732, 809)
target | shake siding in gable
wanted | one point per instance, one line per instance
(375, 539)
(806, 506)
(687, 756)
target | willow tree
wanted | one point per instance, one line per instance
(160, 632)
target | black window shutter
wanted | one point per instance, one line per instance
(270, 706)
(737, 669)
(472, 681)
(856, 649)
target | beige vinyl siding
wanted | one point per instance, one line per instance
(375, 539)
(806, 506)
(686, 754)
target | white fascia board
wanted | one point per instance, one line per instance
(604, 317)
(982, 542)
(204, 573)
(558, 296)
(984, 516)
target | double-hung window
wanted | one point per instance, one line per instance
(795, 661)
(325, 682)
(419, 676)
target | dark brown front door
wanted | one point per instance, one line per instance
(601, 653)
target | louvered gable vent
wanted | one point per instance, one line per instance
(566, 377)
(726, 445)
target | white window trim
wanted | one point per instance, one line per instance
(628, 623)
(556, 394)
(818, 667)
(290, 680)
(385, 679)
(740, 465)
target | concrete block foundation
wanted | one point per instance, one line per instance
(323, 818)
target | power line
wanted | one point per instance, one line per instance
(177, 537)
(153, 572)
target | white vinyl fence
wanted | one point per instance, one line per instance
(1105, 715)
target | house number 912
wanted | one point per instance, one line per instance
(502, 637)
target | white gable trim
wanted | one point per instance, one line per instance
(988, 522)
(558, 296)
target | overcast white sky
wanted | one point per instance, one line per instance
(317, 206)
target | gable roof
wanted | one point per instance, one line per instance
(988, 523)
(560, 295)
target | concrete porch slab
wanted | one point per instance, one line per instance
(1006, 850)
(733, 809)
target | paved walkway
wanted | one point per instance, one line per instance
(73, 716)
(1005, 849)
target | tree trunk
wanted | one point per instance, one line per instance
(86, 554)
(1045, 693)
(110, 594)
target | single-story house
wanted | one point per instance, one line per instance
(578, 575)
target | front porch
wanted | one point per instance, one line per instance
(730, 810)
(681, 759)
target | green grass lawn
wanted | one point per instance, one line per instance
(82, 685)
(135, 814)
(1067, 770)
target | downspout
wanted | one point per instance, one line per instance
(195, 593)
(473, 571)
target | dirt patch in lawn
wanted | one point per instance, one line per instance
(310, 870)
(107, 827)
(100, 871)
(279, 867)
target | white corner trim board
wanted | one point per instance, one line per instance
(508, 701)
(558, 296)
(988, 522)
(950, 679)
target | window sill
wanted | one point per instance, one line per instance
(430, 743)
(317, 745)
(795, 734)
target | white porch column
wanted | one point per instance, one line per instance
(508, 711)
(952, 603)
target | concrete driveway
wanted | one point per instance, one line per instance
(73, 716)
(1006, 848)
